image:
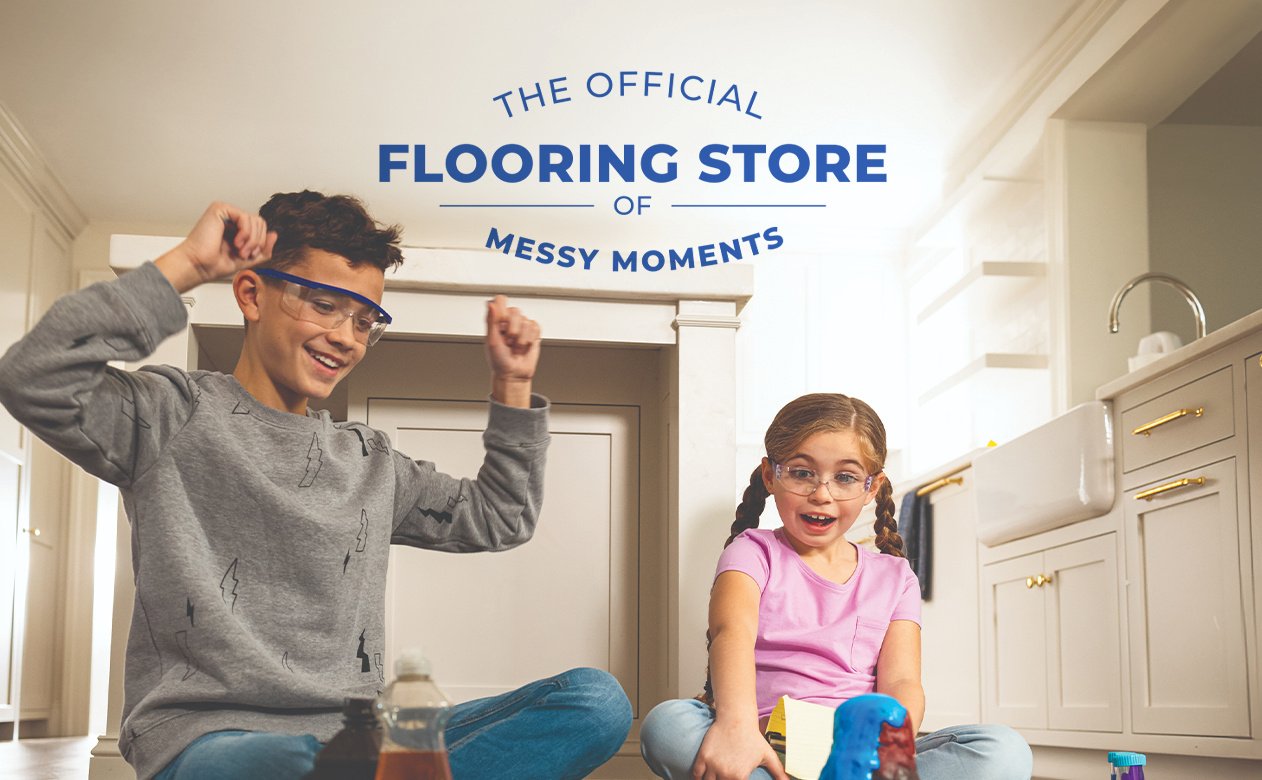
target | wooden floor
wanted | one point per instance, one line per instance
(46, 759)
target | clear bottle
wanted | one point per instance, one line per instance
(352, 753)
(413, 712)
(1127, 766)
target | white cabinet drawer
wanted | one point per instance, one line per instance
(1198, 413)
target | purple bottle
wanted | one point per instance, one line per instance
(1127, 766)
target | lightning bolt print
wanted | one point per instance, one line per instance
(442, 517)
(231, 573)
(79, 342)
(284, 661)
(314, 461)
(364, 665)
(129, 411)
(381, 669)
(240, 408)
(346, 560)
(362, 539)
(190, 663)
(188, 611)
(371, 443)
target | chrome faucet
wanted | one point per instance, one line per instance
(1192, 300)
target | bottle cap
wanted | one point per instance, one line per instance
(358, 708)
(411, 661)
(1122, 758)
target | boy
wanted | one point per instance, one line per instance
(260, 528)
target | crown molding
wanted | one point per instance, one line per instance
(36, 178)
(1039, 74)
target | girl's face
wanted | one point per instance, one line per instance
(818, 520)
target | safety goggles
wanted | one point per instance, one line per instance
(842, 486)
(329, 306)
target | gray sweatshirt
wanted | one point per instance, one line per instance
(259, 538)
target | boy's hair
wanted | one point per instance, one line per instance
(823, 413)
(334, 223)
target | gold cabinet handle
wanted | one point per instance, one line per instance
(1148, 495)
(1029, 582)
(1043, 579)
(1147, 427)
(939, 484)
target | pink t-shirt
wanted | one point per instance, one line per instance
(818, 641)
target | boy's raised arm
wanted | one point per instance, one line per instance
(56, 381)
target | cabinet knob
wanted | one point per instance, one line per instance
(1029, 581)
(1043, 580)
(31, 531)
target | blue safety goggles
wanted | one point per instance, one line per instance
(329, 306)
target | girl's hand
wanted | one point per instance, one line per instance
(206, 254)
(732, 751)
(512, 349)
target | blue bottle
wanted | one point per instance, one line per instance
(871, 739)
(1127, 766)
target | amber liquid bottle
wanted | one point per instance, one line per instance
(352, 753)
(413, 712)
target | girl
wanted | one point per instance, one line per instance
(800, 611)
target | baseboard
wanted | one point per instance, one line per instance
(107, 763)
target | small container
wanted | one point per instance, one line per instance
(413, 712)
(1127, 766)
(352, 753)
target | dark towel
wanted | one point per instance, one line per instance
(915, 525)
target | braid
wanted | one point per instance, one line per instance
(750, 508)
(887, 539)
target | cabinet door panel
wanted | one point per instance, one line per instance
(1084, 678)
(950, 619)
(16, 226)
(555, 610)
(1014, 657)
(1186, 613)
(10, 539)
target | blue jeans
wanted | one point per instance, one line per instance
(561, 727)
(671, 736)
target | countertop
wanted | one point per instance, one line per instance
(1242, 327)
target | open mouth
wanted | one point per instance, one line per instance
(325, 361)
(817, 521)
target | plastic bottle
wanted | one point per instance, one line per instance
(414, 713)
(352, 753)
(1127, 766)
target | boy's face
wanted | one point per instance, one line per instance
(304, 359)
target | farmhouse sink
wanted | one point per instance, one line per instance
(1057, 474)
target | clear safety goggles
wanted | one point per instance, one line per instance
(329, 306)
(842, 486)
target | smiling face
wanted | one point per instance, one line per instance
(818, 521)
(287, 360)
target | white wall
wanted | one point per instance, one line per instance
(1205, 200)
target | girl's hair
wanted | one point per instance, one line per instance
(801, 419)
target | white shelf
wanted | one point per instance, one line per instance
(989, 360)
(972, 280)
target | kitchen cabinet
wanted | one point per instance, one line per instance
(1187, 636)
(1188, 449)
(1253, 525)
(1051, 651)
(1189, 668)
(34, 270)
(950, 637)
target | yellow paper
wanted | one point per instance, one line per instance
(808, 735)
